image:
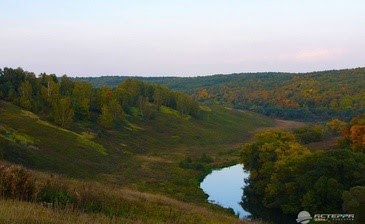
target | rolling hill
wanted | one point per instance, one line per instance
(140, 155)
(310, 96)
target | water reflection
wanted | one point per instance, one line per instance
(224, 188)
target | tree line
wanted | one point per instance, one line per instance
(309, 96)
(300, 96)
(65, 100)
(286, 177)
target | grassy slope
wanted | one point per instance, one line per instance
(42, 145)
(117, 205)
(156, 150)
(24, 213)
(141, 154)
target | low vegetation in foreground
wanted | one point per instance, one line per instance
(55, 199)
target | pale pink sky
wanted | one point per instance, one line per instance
(181, 38)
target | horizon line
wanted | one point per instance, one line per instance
(190, 76)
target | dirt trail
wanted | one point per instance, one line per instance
(279, 124)
(283, 125)
(287, 124)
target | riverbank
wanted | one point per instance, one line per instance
(224, 187)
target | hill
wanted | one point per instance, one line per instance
(139, 136)
(310, 96)
(56, 199)
(141, 155)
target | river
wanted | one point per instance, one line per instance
(224, 187)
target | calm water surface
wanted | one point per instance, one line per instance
(224, 187)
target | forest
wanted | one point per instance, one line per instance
(131, 153)
(162, 135)
(286, 176)
(64, 100)
(313, 96)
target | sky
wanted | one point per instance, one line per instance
(181, 37)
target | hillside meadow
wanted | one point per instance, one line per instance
(56, 199)
(166, 156)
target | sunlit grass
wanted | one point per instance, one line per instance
(17, 212)
(168, 110)
(15, 136)
(144, 157)
(55, 199)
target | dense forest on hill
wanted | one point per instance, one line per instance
(64, 100)
(138, 136)
(286, 176)
(300, 96)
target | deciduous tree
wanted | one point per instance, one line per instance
(25, 92)
(62, 112)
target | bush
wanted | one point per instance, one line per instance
(187, 163)
(309, 134)
(205, 158)
(56, 194)
(90, 198)
(16, 182)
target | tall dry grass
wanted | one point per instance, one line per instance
(16, 182)
(20, 212)
(43, 198)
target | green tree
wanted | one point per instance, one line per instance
(128, 93)
(25, 91)
(50, 90)
(10, 81)
(159, 96)
(308, 134)
(66, 86)
(182, 104)
(81, 97)
(106, 118)
(116, 110)
(111, 113)
(62, 112)
(354, 203)
(285, 175)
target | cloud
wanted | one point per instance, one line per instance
(317, 55)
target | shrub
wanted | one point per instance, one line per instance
(205, 158)
(56, 194)
(90, 198)
(309, 134)
(187, 163)
(16, 182)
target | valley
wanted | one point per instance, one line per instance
(142, 156)
(145, 145)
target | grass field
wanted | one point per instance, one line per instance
(141, 155)
(72, 201)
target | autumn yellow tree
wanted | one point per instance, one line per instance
(357, 136)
